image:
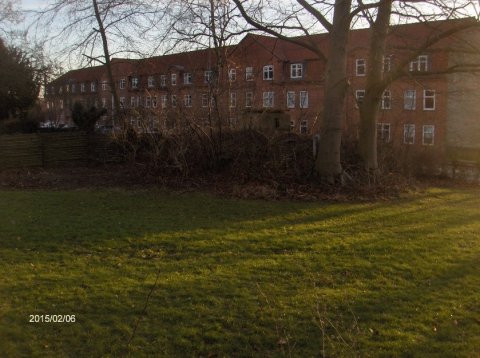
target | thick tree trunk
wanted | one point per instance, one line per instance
(328, 165)
(108, 64)
(375, 87)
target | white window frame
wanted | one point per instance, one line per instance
(268, 99)
(133, 101)
(359, 97)
(104, 85)
(163, 100)
(360, 67)
(187, 100)
(290, 99)
(303, 99)
(135, 82)
(207, 76)
(248, 99)
(406, 131)
(163, 80)
(82, 87)
(249, 75)
(386, 100)
(148, 101)
(268, 73)
(104, 103)
(151, 81)
(154, 102)
(296, 70)
(410, 100)
(187, 78)
(174, 100)
(232, 74)
(122, 102)
(73, 88)
(122, 83)
(204, 100)
(173, 79)
(429, 94)
(420, 64)
(381, 129)
(425, 129)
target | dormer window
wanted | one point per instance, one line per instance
(134, 82)
(208, 76)
(187, 78)
(296, 70)
(420, 64)
(151, 81)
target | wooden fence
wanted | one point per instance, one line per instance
(51, 149)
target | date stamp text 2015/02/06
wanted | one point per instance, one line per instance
(51, 318)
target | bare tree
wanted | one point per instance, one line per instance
(380, 20)
(336, 18)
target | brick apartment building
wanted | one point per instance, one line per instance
(425, 107)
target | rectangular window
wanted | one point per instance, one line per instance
(248, 99)
(139, 101)
(428, 135)
(73, 88)
(249, 73)
(82, 87)
(174, 79)
(359, 96)
(268, 99)
(122, 83)
(387, 99)
(420, 64)
(361, 66)
(304, 127)
(292, 125)
(208, 76)
(204, 100)
(296, 70)
(174, 100)
(104, 103)
(187, 100)
(154, 101)
(409, 100)
(187, 78)
(232, 75)
(163, 81)
(134, 82)
(132, 102)
(383, 132)
(409, 133)
(104, 85)
(290, 99)
(122, 102)
(163, 100)
(268, 73)
(151, 81)
(429, 100)
(233, 99)
(303, 99)
(148, 101)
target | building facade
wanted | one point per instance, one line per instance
(428, 105)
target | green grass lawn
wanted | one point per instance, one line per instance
(239, 278)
